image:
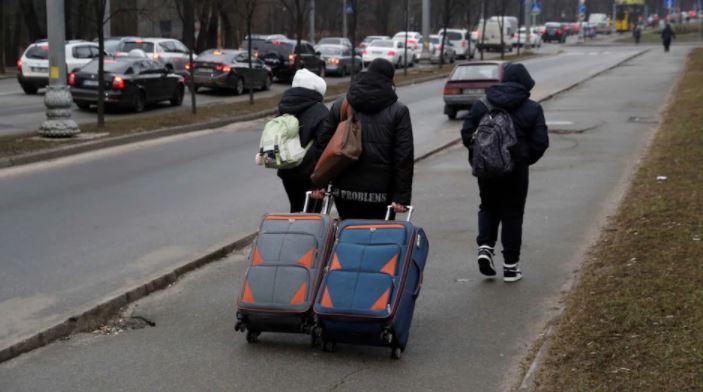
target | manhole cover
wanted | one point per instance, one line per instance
(642, 120)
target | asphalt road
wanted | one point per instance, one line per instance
(24, 113)
(469, 333)
(80, 230)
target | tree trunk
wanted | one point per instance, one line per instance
(99, 20)
(483, 28)
(2, 37)
(35, 29)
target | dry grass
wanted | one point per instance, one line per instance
(634, 321)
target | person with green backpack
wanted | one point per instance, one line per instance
(287, 139)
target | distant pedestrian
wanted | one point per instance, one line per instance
(637, 33)
(304, 100)
(503, 198)
(383, 174)
(667, 35)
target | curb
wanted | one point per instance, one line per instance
(97, 315)
(64, 151)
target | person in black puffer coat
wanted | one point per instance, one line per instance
(384, 173)
(304, 101)
(503, 198)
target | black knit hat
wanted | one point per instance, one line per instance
(383, 67)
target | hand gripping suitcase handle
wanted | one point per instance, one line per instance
(326, 203)
(389, 209)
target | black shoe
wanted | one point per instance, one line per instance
(485, 260)
(511, 273)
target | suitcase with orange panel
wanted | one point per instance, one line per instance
(286, 265)
(372, 281)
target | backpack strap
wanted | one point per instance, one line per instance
(487, 104)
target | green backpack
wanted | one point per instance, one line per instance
(280, 145)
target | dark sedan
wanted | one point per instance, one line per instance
(227, 69)
(468, 83)
(129, 82)
(554, 31)
(338, 59)
(281, 57)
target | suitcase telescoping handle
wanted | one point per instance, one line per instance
(389, 209)
(326, 202)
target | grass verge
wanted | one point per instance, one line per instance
(633, 321)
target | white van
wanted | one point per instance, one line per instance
(601, 22)
(459, 39)
(491, 41)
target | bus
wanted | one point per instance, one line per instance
(628, 13)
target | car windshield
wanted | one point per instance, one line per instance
(330, 51)
(145, 46)
(112, 66)
(371, 39)
(476, 72)
(112, 46)
(217, 57)
(552, 25)
(332, 41)
(454, 36)
(434, 40)
(38, 52)
(382, 44)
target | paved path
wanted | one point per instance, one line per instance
(469, 333)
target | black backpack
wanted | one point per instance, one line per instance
(492, 142)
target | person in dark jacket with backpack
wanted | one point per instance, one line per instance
(667, 35)
(383, 175)
(503, 198)
(304, 101)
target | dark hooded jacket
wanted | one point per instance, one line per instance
(668, 33)
(384, 172)
(306, 105)
(512, 95)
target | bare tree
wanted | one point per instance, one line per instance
(250, 8)
(300, 9)
(35, 29)
(483, 27)
(448, 8)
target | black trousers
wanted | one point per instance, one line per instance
(296, 187)
(359, 210)
(667, 43)
(503, 204)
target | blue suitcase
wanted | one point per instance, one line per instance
(371, 282)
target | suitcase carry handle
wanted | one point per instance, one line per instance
(416, 293)
(389, 209)
(326, 202)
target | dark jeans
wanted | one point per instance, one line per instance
(296, 189)
(503, 203)
(359, 210)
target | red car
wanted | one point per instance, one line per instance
(468, 83)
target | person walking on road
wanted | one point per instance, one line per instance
(304, 101)
(637, 33)
(667, 35)
(383, 174)
(503, 198)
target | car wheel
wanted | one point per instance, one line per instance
(268, 83)
(451, 113)
(239, 86)
(343, 72)
(196, 88)
(29, 89)
(139, 102)
(177, 99)
(83, 105)
(323, 71)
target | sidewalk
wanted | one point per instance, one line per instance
(468, 333)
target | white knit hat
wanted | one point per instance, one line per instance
(306, 79)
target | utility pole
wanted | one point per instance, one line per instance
(312, 22)
(425, 56)
(58, 98)
(405, 45)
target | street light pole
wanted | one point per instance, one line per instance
(58, 98)
(425, 56)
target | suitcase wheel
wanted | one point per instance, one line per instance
(239, 326)
(253, 336)
(396, 352)
(328, 346)
(387, 337)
